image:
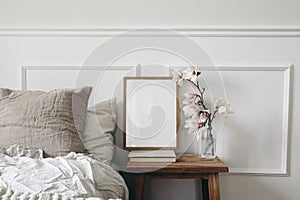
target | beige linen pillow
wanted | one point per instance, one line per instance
(47, 120)
(100, 125)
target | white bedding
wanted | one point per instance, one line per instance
(74, 175)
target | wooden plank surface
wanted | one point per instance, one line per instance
(186, 163)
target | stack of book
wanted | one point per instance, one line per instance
(166, 156)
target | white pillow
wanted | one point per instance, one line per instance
(100, 125)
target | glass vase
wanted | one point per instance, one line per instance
(208, 143)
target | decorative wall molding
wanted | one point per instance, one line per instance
(286, 73)
(225, 31)
(283, 170)
(25, 69)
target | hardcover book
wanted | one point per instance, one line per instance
(152, 156)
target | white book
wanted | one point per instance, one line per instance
(152, 154)
(152, 160)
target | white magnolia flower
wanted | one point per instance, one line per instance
(177, 77)
(189, 98)
(190, 110)
(223, 107)
(192, 125)
(194, 102)
(204, 115)
(190, 73)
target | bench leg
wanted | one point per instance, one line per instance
(139, 186)
(205, 189)
(213, 186)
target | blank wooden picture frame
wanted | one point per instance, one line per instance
(150, 113)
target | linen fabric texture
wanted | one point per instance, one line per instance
(51, 121)
(100, 126)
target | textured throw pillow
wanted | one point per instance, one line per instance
(46, 120)
(100, 125)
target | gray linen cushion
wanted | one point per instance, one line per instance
(46, 120)
(100, 125)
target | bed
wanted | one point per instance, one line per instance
(53, 146)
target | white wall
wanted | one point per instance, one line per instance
(142, 13)
(16, 51)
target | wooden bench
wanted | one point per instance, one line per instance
(187, 166)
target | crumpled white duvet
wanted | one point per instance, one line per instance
(74, 175)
